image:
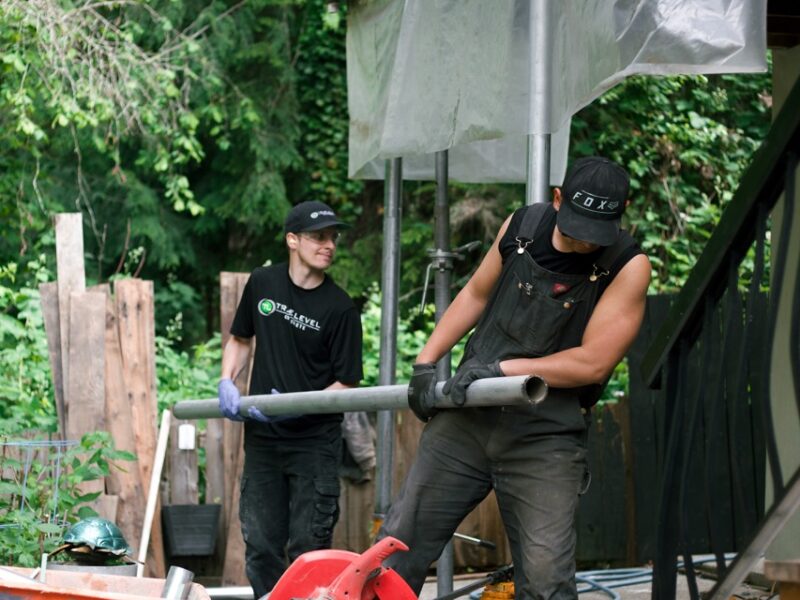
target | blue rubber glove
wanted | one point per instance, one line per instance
(257, 415)
(229, 400)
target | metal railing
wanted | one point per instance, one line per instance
(703, 316)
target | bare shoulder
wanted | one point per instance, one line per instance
(629, 288)
(635, 275)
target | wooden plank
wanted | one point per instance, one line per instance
(134, 303)
(742, 510)
(71, 278)
(124, 479)
(183, 474)
(48, 293)
(231, 289)
(783, 570)
(107, 507)
(85, 382)
(356, 506)
(601, 520)
(233, 572)
(647, 433)
(215, 467)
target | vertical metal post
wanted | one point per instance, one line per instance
(390, 283)
(442, 276)
(540, 81)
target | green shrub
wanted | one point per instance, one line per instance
(40, 492)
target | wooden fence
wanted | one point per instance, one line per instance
(101, 343)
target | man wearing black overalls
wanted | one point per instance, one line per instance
(560, 294)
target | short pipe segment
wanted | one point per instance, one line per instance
(497, 391)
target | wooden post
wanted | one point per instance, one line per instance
(71, 278)
(183, 476)
(48, 293)
(127, 484)
(85, 382)
(233, 573)
(135, 313)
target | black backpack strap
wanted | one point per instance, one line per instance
(531, 219)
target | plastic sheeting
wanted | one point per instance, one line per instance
(429, 75)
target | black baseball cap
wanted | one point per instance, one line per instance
(311, 215)
(593, 199)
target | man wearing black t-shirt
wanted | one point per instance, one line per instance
(308, 337)
(560, 294)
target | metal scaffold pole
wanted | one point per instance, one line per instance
(390, 283)
(537, 186)
(443, 263)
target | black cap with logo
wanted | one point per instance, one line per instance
(593, 199)
(311, 215)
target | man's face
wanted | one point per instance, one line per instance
(567, 243)
(317, 248)
(575, 245)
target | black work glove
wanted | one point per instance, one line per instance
(422, 391)
(469, 371)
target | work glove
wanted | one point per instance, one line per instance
(257, 415)
(229, 400)
(471, 370)
(422, 391)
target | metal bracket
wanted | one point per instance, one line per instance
(443, 261)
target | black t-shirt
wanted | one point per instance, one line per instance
(548, 257)
(305, 341)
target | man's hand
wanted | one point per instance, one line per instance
(471, 370)
(422, 391)
(257, 415)
(229, 400)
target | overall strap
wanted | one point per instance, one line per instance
(610, 255)
(531, 219)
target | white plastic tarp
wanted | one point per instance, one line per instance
(429, 75)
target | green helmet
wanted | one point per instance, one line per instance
(98, 534)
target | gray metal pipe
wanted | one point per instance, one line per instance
(387, 373)
(539, 86)
(442, 276)
(497, 391)
(177, 584)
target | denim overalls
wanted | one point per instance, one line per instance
(533, 457)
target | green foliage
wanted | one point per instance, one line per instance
(324, 123)
(41, 492)
(413, 331)
(25, 383)
(686, 141)
(186, 375)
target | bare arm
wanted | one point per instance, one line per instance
(234, 357)
(338, 385)
(610, 332)
(464, 311)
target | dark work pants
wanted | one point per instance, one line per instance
(537, 479)
(289, 505)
